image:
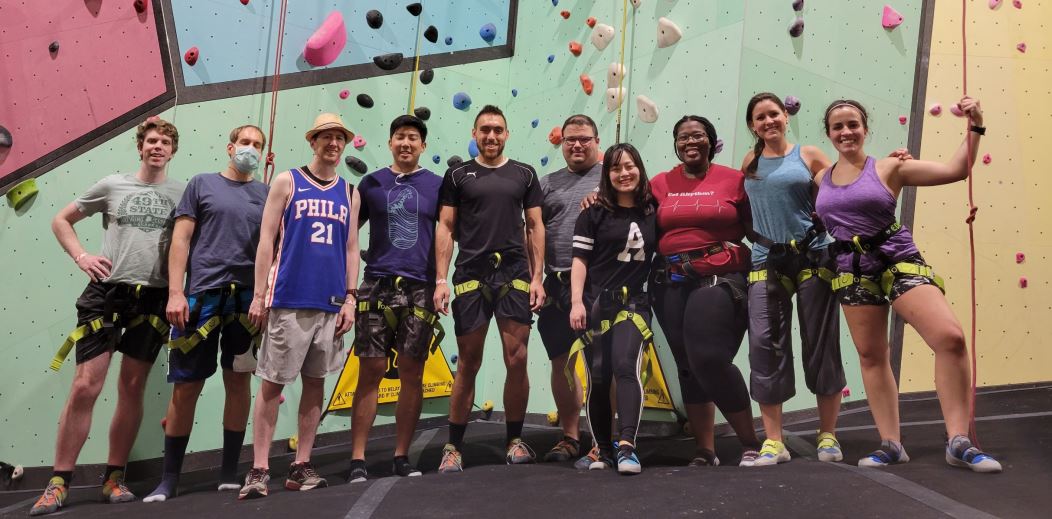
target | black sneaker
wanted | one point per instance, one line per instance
(402, 467)
(303, 477)
(358, 472)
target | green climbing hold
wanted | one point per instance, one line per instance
(20, 194)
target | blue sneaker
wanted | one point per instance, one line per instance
(890, 453)
(627, 461)
(961, 453)
(605, 460)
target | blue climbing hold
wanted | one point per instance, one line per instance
(488, 32)
(535, 122)
(514, 92)
(436, 159)
(551, 58)
(473, 148)
(453, 358)
(461, 101)
(449, 40)
(544, 161)
(555, 2)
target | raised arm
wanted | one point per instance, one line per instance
(929, 173)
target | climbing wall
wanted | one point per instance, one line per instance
(1008, 55)
(728, 51)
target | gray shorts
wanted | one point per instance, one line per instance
(300, 341)
(772, 379)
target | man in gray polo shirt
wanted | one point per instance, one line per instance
(563, 191)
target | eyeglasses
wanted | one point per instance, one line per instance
(693, 137)
(581, 141)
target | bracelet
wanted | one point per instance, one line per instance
(981, 130)
(353, 292)
(440, 282)
(80, 257)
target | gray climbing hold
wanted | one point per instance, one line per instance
(53, 48)
(488, 32)
(792, 104)
(454, 160)
(365, 101)
(431, 33)
(356, 165)
(426, 76)
(414, 8)
(388, 61)
(422, 112)
(798, 5)
(374, 18)
(6, 140)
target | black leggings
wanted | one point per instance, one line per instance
(616, 356)
(714, 323)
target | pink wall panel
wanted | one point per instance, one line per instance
(109, 62)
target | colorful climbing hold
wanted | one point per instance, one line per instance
(535, 122)
(792, 104)
(461, 101)
(614, 98)
(586, 84)
(647, 109)
(365, 101)
(902, 119)
(431, 34)
(53, 48)
(987, 159)
(22, 193)
(487, 406)
(575, 48)
(544, 161)
(140, 6)
(374, 18)
(356, 165)
(798, 5)
(415, 8)
(602, 35)
(388, 61)
(514, 92)
(164, 423)
(451, 162)
(935, 109)
(344, 94)
(427, 76)
(327, 42)
(1022, 282)
(551, 58)
(244, 2)
(281, 399)
(891, 18)
(1020, 257)
(449, 40)
(1018, 4)
(994, 4)
(565, 15)
(294, 442)
(846, 392)
(637, 3)
(590, 22)
(488, 32)
(719, 146)
(422, 112)
(796, 28)
(614, 74)
(473, 148)
(668, 33)
(553, 418)
(436, 159)
(6, 141)
(556, 136)
(1021, 47)
(955, 109)
(358, 142)
(191, 56)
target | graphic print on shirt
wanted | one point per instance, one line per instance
(146, 210)
(676, 201)
(403, 213)
(634, 243)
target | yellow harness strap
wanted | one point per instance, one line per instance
(604, 326)
(95, 325)
(757, 276)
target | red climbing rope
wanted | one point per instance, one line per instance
(268, 171)
(972, 209)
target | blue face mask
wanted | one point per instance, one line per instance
(246, 159)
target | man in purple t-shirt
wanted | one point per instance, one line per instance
(396, 316)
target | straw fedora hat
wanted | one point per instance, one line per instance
(328, 121)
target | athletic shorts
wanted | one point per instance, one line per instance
(234, 345)
(375, 338)
(472, 310)
(553, 321)
(142, 342)
(300, 341)
(856, 295)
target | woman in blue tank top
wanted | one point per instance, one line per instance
(790, 255)
(878, 261)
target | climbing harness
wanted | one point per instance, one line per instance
(192, 338)
(394, 316)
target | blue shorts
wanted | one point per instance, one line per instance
(238, 345)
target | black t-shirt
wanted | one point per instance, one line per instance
(490, 204)
(618, 245)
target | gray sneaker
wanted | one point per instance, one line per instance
(302, 476)
(255, 484)
(519, 453)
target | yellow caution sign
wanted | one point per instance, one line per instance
(655, 389)
(438, 380)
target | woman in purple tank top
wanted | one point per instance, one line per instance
(878, 261)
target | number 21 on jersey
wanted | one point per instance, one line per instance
(323, 233)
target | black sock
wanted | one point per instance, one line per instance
(357, 463)
(514, 430)
(110, 469)
(66, 475)
(456, 433)
(232, 443)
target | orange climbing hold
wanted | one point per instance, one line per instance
(191, 56)
(565, 15)
(590, 22)
(556, 136)
(586, 84)
(575, 48)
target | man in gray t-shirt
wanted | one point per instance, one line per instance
(127, 292)
(563, 192)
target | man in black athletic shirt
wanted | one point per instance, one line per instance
(482, 203)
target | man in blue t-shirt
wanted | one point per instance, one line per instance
(396, 316)
(214, 245)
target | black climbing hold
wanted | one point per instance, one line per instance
(798, 5)
(454, 160)
(6, 141)
(374, 18)
(357, 165)
(422, 112)
(431, 33)
(414, 8)
(365, 101)
(796, 28)
(53, 48)
(388, 61)
(426, 76)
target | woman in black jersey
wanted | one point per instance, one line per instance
(613, 243)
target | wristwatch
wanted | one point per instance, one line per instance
(981, 130)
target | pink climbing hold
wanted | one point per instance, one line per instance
(994, 4)
(1021, 47)
(935, 109)
(987, 159)
(892, 18)
(244, 2)
(1022, 282)
(281, 399)
(902, 119)
(344, 94)
(191, 56)
(325, 45)
(1020, 257)
(358, 142)
(846, 392)
(955, 109)
(1018, 4)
